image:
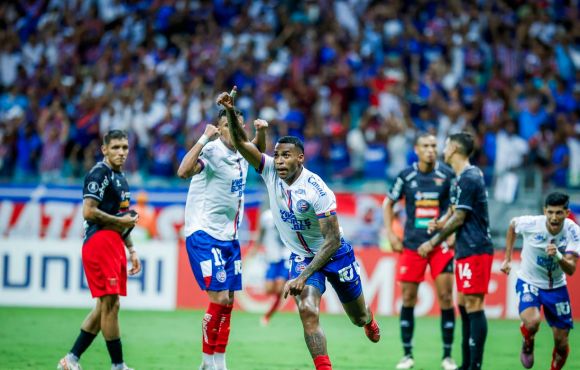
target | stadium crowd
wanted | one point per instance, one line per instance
(357, 79)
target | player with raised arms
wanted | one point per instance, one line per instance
(550, 252)
(213, 213)
(304, 210)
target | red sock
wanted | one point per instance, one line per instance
(224, 329)
(559, 358)
(525, 332)
(274, 306)
(322, 362)
(210, 328)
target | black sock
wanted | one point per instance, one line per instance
(83, 342)
(465, 330)
(407, 326)
(478, 323)
(115, 351)
(447, 329)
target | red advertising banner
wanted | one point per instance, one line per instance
(380, 288)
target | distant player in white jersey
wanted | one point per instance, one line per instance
(550, 251)
(277, 257)
(304, 210)
(213, 212)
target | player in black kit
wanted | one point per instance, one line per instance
(105, 194)
(469, 218)
(425, 188)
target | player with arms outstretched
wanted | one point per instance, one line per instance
(550, 252)
(425, 188)
(213, 213)
(105, 194)
(304, 210)
(468, 216)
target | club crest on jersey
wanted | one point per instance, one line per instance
(438, 181)
(302, 206)
(93, 187)
(221, 275)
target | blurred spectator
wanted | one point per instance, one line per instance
(511, 151)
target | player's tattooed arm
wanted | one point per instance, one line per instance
(92, 213)
(331, 233)
(259, 141)
(451, 225)
(510, 239)
(456, 219)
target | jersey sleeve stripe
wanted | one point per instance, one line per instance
(326, 214)
(92, 196)
(572, 253)
(461, 206)
(201, 163)
(262, 163)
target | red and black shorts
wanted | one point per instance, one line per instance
(472, 274)
(411, 266)
(105, 264)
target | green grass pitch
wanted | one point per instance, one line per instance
(34, 338)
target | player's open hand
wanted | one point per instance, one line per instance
(294, 287)
(135, 263)
(425, 249)
(506, 267)
(260, 124)
(211, 132)
(226, 100)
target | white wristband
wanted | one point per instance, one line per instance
(203, 140)
(558, 255)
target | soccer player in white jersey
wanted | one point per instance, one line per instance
(213, 212)
(304, 210)
(550, 252)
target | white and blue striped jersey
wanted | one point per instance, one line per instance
(296, 208)
(215, 200)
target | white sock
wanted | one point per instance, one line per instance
(208, 359)
(220, 361)
(72, 358)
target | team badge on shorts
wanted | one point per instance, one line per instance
(299, 267)
(527, 297)
(221, 275)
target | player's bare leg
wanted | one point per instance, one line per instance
(110, 306)
(273, 288)
(360, 315)
(444, 287)
(216, 329)
(476, 330)
(561, 348)
(529, 326)
(309, 308)
(89, 330)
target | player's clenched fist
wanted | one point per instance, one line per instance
(260, 124)
(294, 286)
(212, 132)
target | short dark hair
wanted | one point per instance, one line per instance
(223, 112)
(115, 135)
(465, 141)
(292, 140)
(422, 135)
(557, 199)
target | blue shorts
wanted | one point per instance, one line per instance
(216, 264)
(342, 271)
(277, 270)
(556, 303)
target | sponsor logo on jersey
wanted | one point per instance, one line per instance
(427, 203)
(438, 181)
(539, 238)
(319, 189)
(427, 212)
(302, 206)
(296, 224)
(238, 186)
